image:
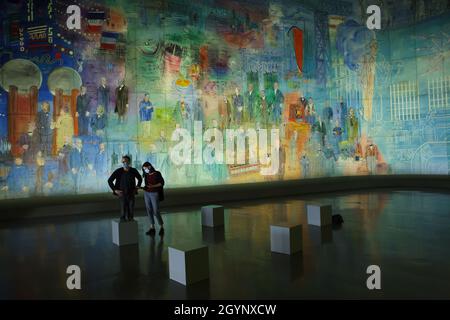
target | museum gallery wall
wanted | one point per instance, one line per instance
(303, 88)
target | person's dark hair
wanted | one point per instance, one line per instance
(147, 164)
(126, 157)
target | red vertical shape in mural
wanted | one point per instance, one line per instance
(204, 64)
(73, 108)
(12, 102)
(34, 92)
(21, 111)
(298, 46)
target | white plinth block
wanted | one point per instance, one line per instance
(188, 265)
(124, 232)
(286, 238)
(212, 216)
(319, 214)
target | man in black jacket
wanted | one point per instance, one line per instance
(123, 184)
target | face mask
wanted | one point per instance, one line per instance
(125, 165)
(146, 170)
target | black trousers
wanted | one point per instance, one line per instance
(127, 206)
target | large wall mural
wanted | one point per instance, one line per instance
(307, 87)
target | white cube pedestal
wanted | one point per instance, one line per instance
(286, 238)
(188, 264)
(319, 214)
(124, 232)
(212, 216)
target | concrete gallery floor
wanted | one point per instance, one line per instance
(406, 233)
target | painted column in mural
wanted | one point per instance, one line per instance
(64, 110)
(64, 84)
(22, 109)
(21, 78)
(12, 102)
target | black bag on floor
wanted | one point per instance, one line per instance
(337, 219)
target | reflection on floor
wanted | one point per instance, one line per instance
(406, 233)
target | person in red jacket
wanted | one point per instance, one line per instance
(153, 194)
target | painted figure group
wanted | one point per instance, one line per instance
(70, 149)
(230, 110)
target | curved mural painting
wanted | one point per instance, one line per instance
(217, 92)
